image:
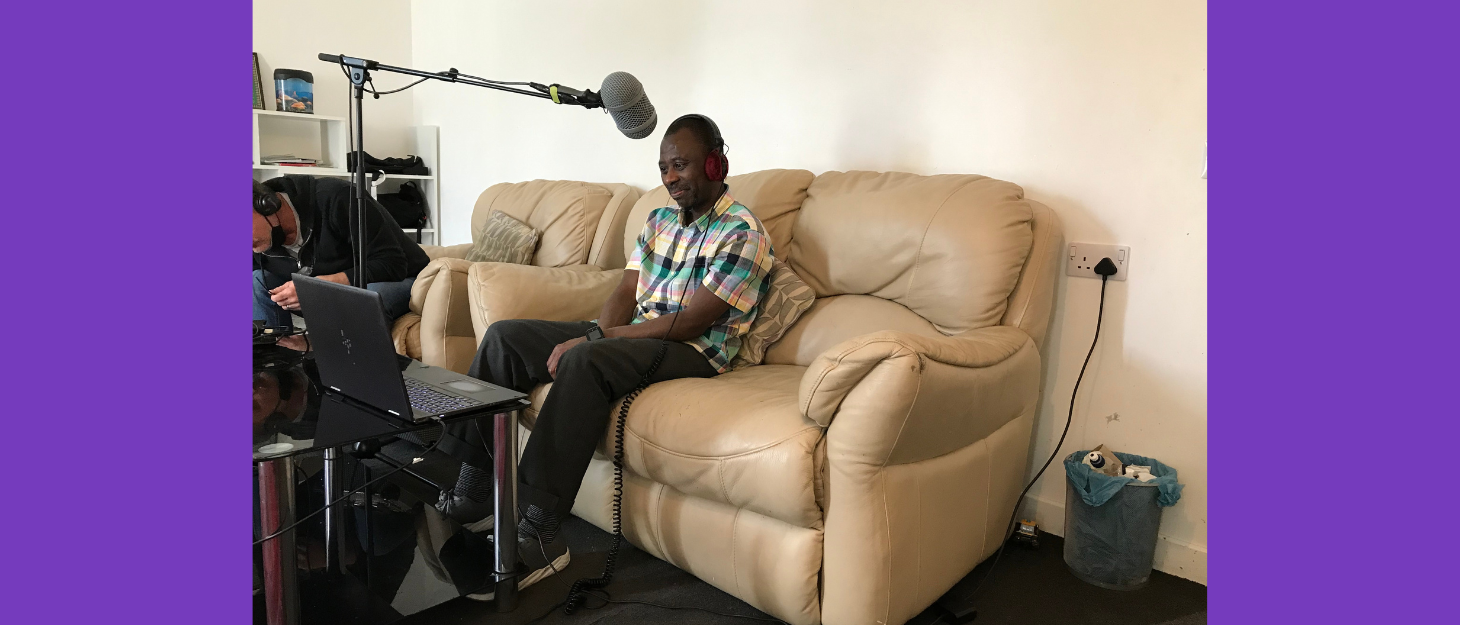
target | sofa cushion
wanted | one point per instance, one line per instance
(503, 239)
(949, 248)
(566, 212)
(785, 302)
(774, 196)
(737, 438)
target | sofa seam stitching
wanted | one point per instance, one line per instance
(1037, 275)
(734, 549)
(918, 261)
(906, 416)
(887, 525)
(918, 493)
(988, 490)
(805, 409)
(659, 519)
(719, 458)
(720, 474)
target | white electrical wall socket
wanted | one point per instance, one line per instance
(1081, 259)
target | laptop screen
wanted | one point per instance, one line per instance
(350, 337)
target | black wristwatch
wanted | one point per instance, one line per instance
(594, 333)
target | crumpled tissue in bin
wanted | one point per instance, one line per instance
(1096, 488)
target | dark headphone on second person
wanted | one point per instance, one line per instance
(717, 167)
(266, 202)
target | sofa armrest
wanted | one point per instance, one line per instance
(500, 291)
(439, 297)
(926, 451)
(451, 251)
(914, 397)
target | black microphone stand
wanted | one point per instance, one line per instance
(359, 71)
(504, 579)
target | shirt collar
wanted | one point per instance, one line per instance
(722, 205)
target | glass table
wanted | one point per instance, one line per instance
(382, 551)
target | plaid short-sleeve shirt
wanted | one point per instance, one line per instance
(726, 249)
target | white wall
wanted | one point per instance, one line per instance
(1097, 109)
(291, 34)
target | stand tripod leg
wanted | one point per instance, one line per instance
(504, 528)
(276, 503)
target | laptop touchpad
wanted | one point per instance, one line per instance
(466, 387)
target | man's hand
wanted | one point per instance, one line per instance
(558, 352)
(285, 297)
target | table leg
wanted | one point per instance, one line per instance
(276, 507)
(504, 529)
(332, 524)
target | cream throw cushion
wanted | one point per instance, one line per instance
(504, 240)
(784, 303)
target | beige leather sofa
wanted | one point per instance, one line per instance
(581, 225)
(875, 457)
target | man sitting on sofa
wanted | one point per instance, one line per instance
(301, 224)
(696, 277)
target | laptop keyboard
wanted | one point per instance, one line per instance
(431, 401)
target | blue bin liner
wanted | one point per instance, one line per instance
(1096, 488)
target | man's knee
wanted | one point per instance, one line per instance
(500, 332)
(580, 356)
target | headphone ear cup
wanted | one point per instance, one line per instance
(716, 166)
(265, 202)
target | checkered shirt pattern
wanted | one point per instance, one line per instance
(671, 257)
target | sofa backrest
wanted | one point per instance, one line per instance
(773, 195)
(929, 255)
(922, 254)
(575, 219)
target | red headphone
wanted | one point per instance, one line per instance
(717, 167)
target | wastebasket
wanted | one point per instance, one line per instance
(1112, 523)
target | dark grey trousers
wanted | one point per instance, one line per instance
(575, 415)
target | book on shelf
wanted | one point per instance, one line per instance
(287, 159)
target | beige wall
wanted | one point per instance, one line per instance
(291, 34)
(1097, 108)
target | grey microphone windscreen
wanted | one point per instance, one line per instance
(624, 98)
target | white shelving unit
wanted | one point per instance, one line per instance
(326, 139)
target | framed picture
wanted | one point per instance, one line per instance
(258, 84)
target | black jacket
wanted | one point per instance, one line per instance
(323, 205)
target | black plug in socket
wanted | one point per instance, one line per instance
(1105, 267)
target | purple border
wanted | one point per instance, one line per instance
(1333, 129)
(127, 147)
(1332, 326)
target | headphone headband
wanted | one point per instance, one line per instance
(716, 165)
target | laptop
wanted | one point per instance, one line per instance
(350, 337)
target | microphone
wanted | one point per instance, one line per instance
(624, 97)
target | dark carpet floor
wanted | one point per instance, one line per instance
(1032, 586)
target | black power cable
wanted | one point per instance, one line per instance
(1106, 269)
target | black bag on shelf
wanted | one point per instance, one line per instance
(407, 207)
(410, 165)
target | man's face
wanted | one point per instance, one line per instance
(263, 226)
(682, 170)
